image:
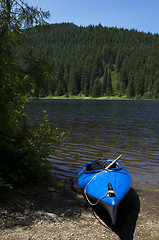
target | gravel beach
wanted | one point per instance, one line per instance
(58, 210)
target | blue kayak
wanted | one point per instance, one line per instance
(105, 186)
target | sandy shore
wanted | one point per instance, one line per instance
(58, 211)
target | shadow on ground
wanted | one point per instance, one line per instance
(46, 203)
(127, 216)
(59, 201)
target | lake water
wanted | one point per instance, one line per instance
(105, 129)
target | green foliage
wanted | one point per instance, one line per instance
(96, 92)
(109, 86)
(81, 54)
(131, 89)
(40, 76)
(24, 148)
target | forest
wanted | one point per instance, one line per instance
(64, 59)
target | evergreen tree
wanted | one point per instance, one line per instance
(109, 85)
(105, 85)
(60, 71)
(118, 64)
(78, 78)
(72, 84)
(139, 83)
(96, 88)
(94, 75)
(131, 89)
(155, 90)
(86, 86)
(41, 75)
(60, 89)
(124, 77)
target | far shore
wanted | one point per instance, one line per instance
(82, 97)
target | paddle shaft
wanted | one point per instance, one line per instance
(113, 162)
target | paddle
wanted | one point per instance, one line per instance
(113, 162)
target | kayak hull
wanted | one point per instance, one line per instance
(95, 185)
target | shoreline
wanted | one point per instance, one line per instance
(57, 210)
(85, 98)
(82, 97)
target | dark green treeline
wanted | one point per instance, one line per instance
(95, 61)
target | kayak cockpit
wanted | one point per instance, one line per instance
(100, 165)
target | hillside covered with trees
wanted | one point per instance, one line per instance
(94, 61)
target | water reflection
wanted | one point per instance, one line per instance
(105, 129)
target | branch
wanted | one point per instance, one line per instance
(33, 10)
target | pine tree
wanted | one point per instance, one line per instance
(96, 88)
(72, 84)
(139, 85)
(41, 75)
(118, 64)
(155, 91)
(104, 85)
(109, 85)
(124, 79)
(60, 89)
(86, 86)
(131, 89)
(94, 75)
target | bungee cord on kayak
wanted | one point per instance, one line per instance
(107, 166)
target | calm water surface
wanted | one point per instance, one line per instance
(105, 129)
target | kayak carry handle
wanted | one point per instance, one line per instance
(113, 162)
(110, 190)
(110, 186)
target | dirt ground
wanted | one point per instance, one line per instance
(58, 211)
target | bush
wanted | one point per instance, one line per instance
(24, 149)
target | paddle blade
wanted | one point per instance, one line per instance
(113, 162)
